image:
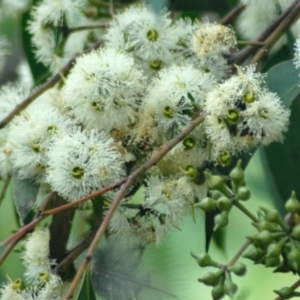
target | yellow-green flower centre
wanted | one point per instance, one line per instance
(77, 173)
(152, 35)
(169, 112)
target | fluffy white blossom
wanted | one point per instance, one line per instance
(10, 96)
(50, 43)
(80, 162)
(212, 38)
(297, 53)
(104, 89)
(174, 95)
(240, 113)
(35, 256)
(31, 134)
(138, 28)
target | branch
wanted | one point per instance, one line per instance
(242, 208)
(119, 197)
(4, 188)
(239, 57)
(239, 253)
(276, 34)
(229, 18)
(47, 85)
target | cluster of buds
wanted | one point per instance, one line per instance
(220, 280)
(277, 243)
(222, 197)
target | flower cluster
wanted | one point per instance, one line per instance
(122, 102)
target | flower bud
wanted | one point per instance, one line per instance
(293, 259)
(230, 288)
(207, 204)
(285, 293)
(238, 269)
(292, 219)
(272, 262)
(211, 279)
(292, 204)
(218, 291)
(274, 250)
(243, 193)
(217, 183)
(264, 225)
(272, 215)
(224, 203)
(237, 175)
(255, 254)
(204, 260)
(221, 220)
(263, 239)
(296, 232)
(216, 194)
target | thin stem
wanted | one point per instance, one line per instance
(231, 16)
(4, 188)
(242, 208)
(85, 198)
(276, 34)
(119, 197)
(252, 43)
(239, 253)
(87, 27)
(47, 85)
(8, 250)
(15, 238)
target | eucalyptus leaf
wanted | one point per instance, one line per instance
(25, 193)
(284, 80)
(283, 160)
(87, 289)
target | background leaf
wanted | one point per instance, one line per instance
(284, 80)
(283, 160)
(87, 289)
(25, 193)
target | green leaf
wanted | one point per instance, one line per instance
(25, 193)
(158, 5)
(283, 160)
(284, 80)
(87, 289)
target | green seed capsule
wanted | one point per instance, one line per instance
(230, 288)
(296, 232)
(292, 204)
(224, 203)
(255, 254)
(238, 269)
(221, 220)
(210, 279)
(263, 239)
(243, 193)
(218, 292)
(207, 204)
(285, 293)
(272, 262)
(217, 183)
(237, 175)
(204, 260)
